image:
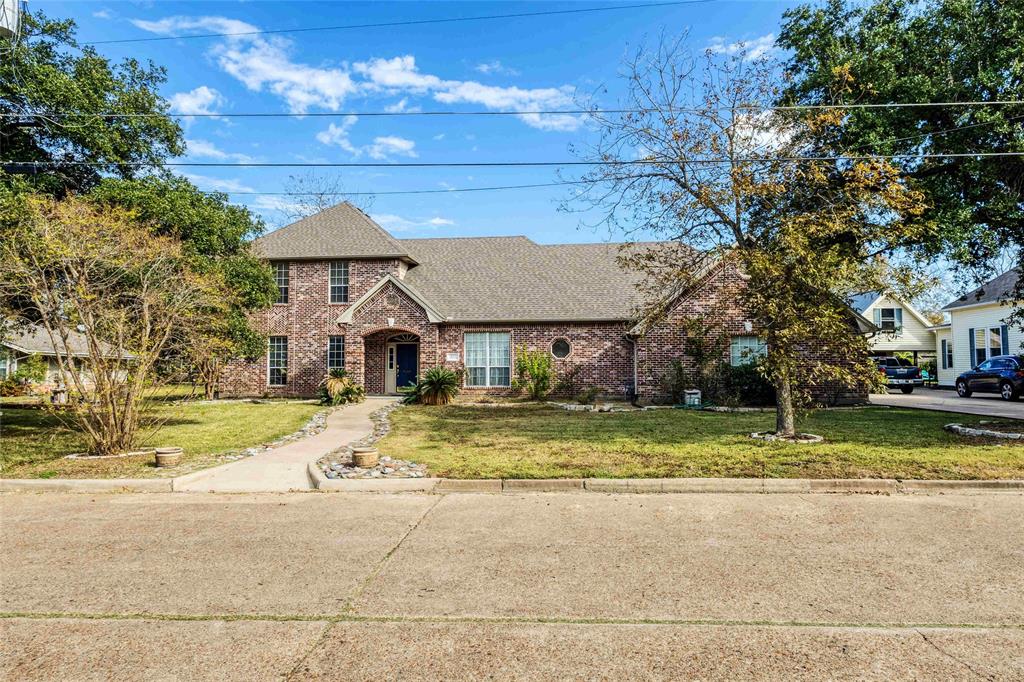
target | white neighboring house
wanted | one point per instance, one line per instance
(977, 328)
(18, 343)
(901, 327)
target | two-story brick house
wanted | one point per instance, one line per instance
(384, 309)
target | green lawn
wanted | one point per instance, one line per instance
(33, 443)
(536, 441)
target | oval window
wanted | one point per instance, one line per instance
(560, 348)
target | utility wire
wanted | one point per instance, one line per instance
(409, 191)
(411, 22)
(506, 164)
(539, 112)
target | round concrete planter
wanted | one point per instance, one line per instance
(168, 457)
(365, 457)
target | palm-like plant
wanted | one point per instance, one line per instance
(437, 386)
(338, 389)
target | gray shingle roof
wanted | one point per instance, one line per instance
(341, 231)
(513, 278)
(996, 290)
(32, 339)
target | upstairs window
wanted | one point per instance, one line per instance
(339, 281)
(282, 276)
(277, 361)
(744, 350)
(488, 359)
(889, 319)
(335, 352)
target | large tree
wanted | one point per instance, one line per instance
(702, 159)
(68, 108)
(215, 237)
(945, 51)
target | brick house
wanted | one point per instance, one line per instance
(384, 309)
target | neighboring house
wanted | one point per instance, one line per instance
(901, 328)
(18, 343)
(978, 328)
(384, 309)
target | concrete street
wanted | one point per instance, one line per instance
(196, 586)
(982, 404)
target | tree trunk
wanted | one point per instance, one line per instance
(784, 417)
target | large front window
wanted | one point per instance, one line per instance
(488, 359)
(988, 343)
(277, 361)
(282, 278)
(339, 281)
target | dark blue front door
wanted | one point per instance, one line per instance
(405, 364)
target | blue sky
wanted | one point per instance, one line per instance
(509, 64)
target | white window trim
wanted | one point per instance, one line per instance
(343, 350)
(487, 367)
(987, 347)
(269, 368)
(348, 276)
(288, 269)
(751, 358)
(551, 347)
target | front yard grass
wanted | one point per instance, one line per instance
(537, 441)
(33, 443)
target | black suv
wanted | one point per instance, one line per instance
(1002, 374)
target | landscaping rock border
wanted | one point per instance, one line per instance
(796, 439)
(338, 464)
(961, 430)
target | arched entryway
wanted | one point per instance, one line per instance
(392, 360)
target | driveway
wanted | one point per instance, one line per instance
(987, 405)
(531, 586)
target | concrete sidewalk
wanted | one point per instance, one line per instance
(518, 586)
(285, 468)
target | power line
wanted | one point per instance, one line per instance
(502, 164)
(411, 22)
(408, 191)
(538, 112)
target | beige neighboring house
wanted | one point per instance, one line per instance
(20, 342)
(978, 328)
(901, 328)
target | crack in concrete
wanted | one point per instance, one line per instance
(302, 659)
(502, 620)
(945, 653)
(351, 605)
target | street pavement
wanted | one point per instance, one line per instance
(198, 586)
(982, 404)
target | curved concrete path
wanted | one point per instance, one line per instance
(285, 468)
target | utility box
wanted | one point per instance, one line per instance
(691, 398)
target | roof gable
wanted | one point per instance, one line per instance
(432, 314)
(341, 231)
(993, 291)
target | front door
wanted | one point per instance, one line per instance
(405, 364)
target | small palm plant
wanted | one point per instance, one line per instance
(437, 386)
(338, 388)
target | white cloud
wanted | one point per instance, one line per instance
(401, 106)
(383, 147)
(391, 145)
(266, 64)
(201, 100)
(439, 137)
(755, 48)
(207, 150)
(495, 66)
(397, 223)
(210, 184)
(103, 14)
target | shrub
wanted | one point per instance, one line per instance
(744, 385)
(31, 370)
(534, 372)
(588, 395)
(676, 380)
(338, 388)
(437, 386)
(569, 381)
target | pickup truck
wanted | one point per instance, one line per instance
(900, 373)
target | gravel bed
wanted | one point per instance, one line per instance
(338, 464)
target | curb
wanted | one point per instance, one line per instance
(87, 485)
(369, 485)
(546, 485)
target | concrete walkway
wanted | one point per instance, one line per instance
(984, 404)
(524, 586)
(285, 468)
